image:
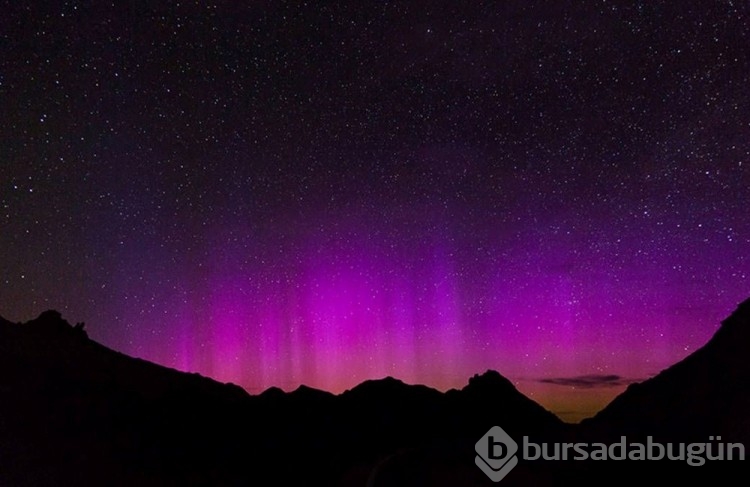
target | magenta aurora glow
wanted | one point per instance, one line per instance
(278, 194)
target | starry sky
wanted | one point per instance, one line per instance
(274, 193)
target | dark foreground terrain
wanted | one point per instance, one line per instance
(75, 413)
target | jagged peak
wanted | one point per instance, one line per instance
(383, 382)
(304, 391)
(50, 315)
(51, 321)
(489, 379)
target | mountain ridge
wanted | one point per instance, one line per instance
(121, 417)
(74, 412)
(708, 389)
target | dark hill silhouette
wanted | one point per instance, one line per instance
(490, 395)
(706, 394)
(73, 412)
(76, 413)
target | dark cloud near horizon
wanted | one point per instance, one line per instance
(589, 381)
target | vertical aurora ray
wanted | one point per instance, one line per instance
(358, 303)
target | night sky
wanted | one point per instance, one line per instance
(281, 193)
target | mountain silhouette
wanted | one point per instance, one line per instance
(74, 412)
(706, 394)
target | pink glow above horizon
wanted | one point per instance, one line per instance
(291, 193)
(353, 304)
